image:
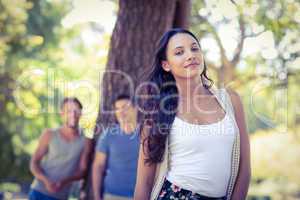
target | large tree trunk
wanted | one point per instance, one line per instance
(139, 26)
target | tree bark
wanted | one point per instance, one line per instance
(139, 26)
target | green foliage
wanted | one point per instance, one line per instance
(10, 187)
(42, 62)
(30, 36)
(267, 85)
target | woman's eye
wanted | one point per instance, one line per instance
(195, 49)
(178, 52)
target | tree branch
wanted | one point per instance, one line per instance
(254, 34)
(239, 48)
(232, 1)
(211, 65)
(216, 36)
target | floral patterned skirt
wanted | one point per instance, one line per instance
(170, 191)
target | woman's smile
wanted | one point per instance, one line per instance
(192, 65)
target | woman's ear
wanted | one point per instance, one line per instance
(165, 65)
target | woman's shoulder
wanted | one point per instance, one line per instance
(232, 93)
(235, 99)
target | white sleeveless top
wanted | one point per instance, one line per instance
(200, 156)
(163, 167)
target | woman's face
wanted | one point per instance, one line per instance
(184, 57)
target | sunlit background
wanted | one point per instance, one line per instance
(50, 49)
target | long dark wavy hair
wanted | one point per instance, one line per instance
(158, 110)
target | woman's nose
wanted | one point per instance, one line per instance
(191, 55)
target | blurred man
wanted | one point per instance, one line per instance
(61, 156)
(117, 154)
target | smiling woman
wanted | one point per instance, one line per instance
(197, 155)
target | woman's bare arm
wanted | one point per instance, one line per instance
(145, 176)
(243, 179)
